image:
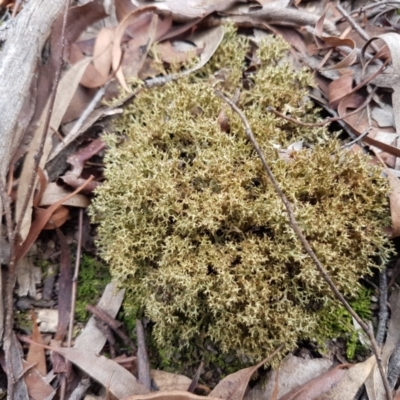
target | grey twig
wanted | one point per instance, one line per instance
(142, 357)
(383, 308)
(361, 137)
(355, 26)
(299, 233)
(75, 280)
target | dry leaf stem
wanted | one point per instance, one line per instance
(299, 233)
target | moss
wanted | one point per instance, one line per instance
(193, 229)
(93, 278)
(337, 322)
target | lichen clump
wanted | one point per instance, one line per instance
(193, 229)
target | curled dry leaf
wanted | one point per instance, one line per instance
(102, 51)
(57, 219)
(350, 59)
(64, 288)
(210, 40)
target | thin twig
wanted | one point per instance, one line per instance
(383, 308)
(143, 362)
(299, 233)
(361, 137)
(75, 279)
(364, 35)
(7, 209)
(81, 389)
(114, 324)
(76, 130)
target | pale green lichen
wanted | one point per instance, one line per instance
(193, 229)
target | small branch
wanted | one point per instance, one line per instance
(383, 308)
(7, 209)
(359, 139)
(142, 357)
(355, 26)
(75, 280)
(112, 323)
(299, 233)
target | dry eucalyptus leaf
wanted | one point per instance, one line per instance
(54, 193)
(352, 380)
(65, 92)
(293, 373)
(173, 395)
(167, 381)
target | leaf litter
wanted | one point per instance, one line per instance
(355, 54)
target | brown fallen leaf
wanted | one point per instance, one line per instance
(234, 385)
(137, 48)
(123, 8)
(78, 19)
(188, 10)
(339, 88)
(65, 93)
(57, 219)
(173, 395)
(333, 42)
(167, 381)
(353, 378)
(294, 372)
(38, 388)
(316, 387)
(117, 41)
(38, 224)
(54, 193)
(36, 354)
(120, 382)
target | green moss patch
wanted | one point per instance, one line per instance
(193, 229)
